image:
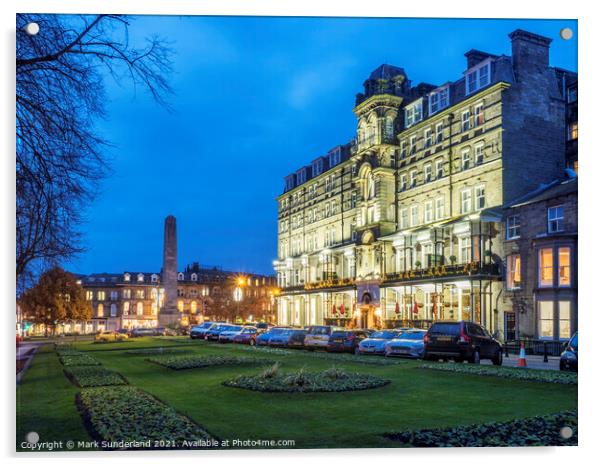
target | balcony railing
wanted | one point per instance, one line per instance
(442, 271)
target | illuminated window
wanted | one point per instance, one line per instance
(100, 310)
(564, 266)
(555, 219)
(127, 293)
(139, 308)
(89, 295)
(513, 280)
(126, 277)
(564, 319)
(140, 294)
(126, 308)
(101, 296)
(193, 307)
(140, 277)
(573, 131)
(546, 267)
(154, 308)
(181, 306)
(546, 319)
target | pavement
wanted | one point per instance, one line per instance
(533, 362)
(24, 352)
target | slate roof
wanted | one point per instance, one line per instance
(557, 188)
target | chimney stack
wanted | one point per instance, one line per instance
(530, 52)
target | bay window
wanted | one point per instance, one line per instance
(546, 267)
(564, 266)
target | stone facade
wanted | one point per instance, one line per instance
(540, 297)
(402, 226)
(169, 311)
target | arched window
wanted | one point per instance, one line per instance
(181, 306)
(180, 276)
(139, 308)
(100, 310)
(113, 310)
(389, 127)
(193, 277)
(193, 307)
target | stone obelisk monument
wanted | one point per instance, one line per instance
(169, 278)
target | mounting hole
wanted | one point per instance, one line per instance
(566, 33)
(566, 432)
(32, 28)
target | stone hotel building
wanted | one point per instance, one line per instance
(404, 225)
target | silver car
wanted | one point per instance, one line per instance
(375, 343)
(410, 343)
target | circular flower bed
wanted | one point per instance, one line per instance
(302, 381)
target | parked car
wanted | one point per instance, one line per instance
(264, 338)
(143, 332)
(318, 336)
(409, 343)
(375, 344)
(346, 340)
(290, 338)
(213, 333)
(110, 336)
(461, 341)
(246, 336)
(568, 358)
(199, 331)
(228, 335)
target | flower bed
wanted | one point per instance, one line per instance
(156, 351)
(568, 378)
(63, 349)
(533, 431)
(128, 414)
(330, 380)
(93, 376)
(195, 361)
(78, 359)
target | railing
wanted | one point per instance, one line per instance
(538, 347)
(330, 283)
(471, 268)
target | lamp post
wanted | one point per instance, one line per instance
(238, 292)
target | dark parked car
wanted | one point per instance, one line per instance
(346, 340)
(247, 336)
(461, 341)
(568, 358)
(199, 331)
(143, 332)
(290, 338)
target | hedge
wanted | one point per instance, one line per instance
(534, 431)
(195, 361)
(93, 376)
(567, 378)
(128, 414)
(330, 380)
(78, 359)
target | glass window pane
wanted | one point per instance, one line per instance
(564, 319)
(546, 265)
(546, 319)
(564, 266)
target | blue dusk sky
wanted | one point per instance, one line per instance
(255, 99)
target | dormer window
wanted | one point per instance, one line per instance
(316, 167)
(413, 113)
(300, 177)
(194, 277)
(478, 77)
(180, 276)
(140, 277)
(334, 158)
(154, 278)
(438, 99)
(126, 277)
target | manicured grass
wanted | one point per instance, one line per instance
(414, 399)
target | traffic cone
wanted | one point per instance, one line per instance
(522, 361)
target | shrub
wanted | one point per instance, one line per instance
(156, 351)
(93, 376)
(271, 371)
(568, 378)
(195, 361)
(129, 414)
(78, 359)
(533, 431)
(330, 380)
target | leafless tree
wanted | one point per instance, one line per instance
(59, 96)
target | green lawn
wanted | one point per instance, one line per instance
(415, 399)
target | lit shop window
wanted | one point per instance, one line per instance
(546, 267)
(513, 272)
(564, 266)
